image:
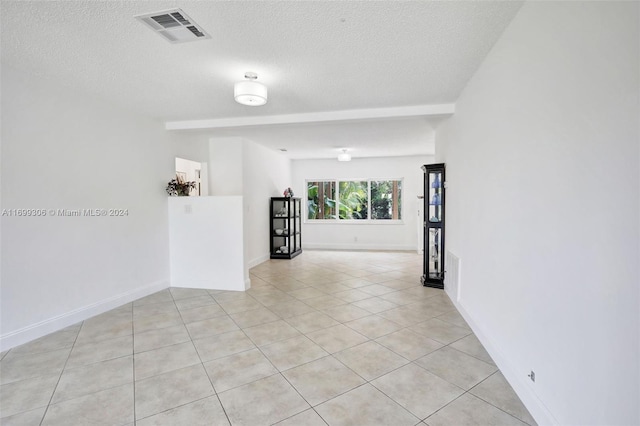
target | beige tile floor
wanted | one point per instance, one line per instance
(337, 338)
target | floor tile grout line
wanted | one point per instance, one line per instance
(409, 362)
(215, 392)
(420, 419)
(5, 353)
(471, 355)
(321, 418)
(172, 408)
(444, 378)
(253, 381)
(301, 396)
(438, 376)
(314, 310)
(305, 400)
(278, 373)
(44, 414)
(382, 335)
(489, 402)
(98, 362)
(347, 367)
(328, 355)
(155, 329)
(445, 406)
(476, 396)
(94, 392)
(465, 390)
(366, 382)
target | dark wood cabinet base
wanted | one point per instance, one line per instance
(432, 282)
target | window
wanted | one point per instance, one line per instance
(386, 199)
(357, 200)
(354, 197)
(321, 200)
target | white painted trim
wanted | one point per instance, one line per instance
(376, 222)
(258, 260)
(357, 246)
(314, 117)
(209, 284)
(50, 325)
(519, 382)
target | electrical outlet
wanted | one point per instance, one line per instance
(532, 376)
(355, 239)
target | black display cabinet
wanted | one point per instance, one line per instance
(434, 205)
(285, 229)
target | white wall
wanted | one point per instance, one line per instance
(192, 146)
(266, 174)
(383, 236)
(206, 244)
(66, 150)
(240, 167)
(542, 208)
(225, 166)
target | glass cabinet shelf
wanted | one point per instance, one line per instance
(285, 228)
(434, 204)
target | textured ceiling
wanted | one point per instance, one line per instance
(313, 56)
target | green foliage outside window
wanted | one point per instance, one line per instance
(353, 199)
(349, 200)
(321, 203)
(386, 199)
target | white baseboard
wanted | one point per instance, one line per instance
(518, 382)
(213, 284)
(357, 246)
(50, 325)
(258, 260)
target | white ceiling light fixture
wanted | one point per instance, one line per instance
(344, 156)
(250, 92)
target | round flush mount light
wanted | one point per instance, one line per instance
(344, 156)
(249, 91)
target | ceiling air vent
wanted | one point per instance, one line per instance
(174, 25)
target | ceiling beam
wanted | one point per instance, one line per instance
(314, 117)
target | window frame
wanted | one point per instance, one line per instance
(369, 220)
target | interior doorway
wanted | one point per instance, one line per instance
(193, 171)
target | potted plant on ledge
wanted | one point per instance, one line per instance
(180, 187)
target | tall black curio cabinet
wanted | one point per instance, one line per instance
(434, 205)
(285, 216)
